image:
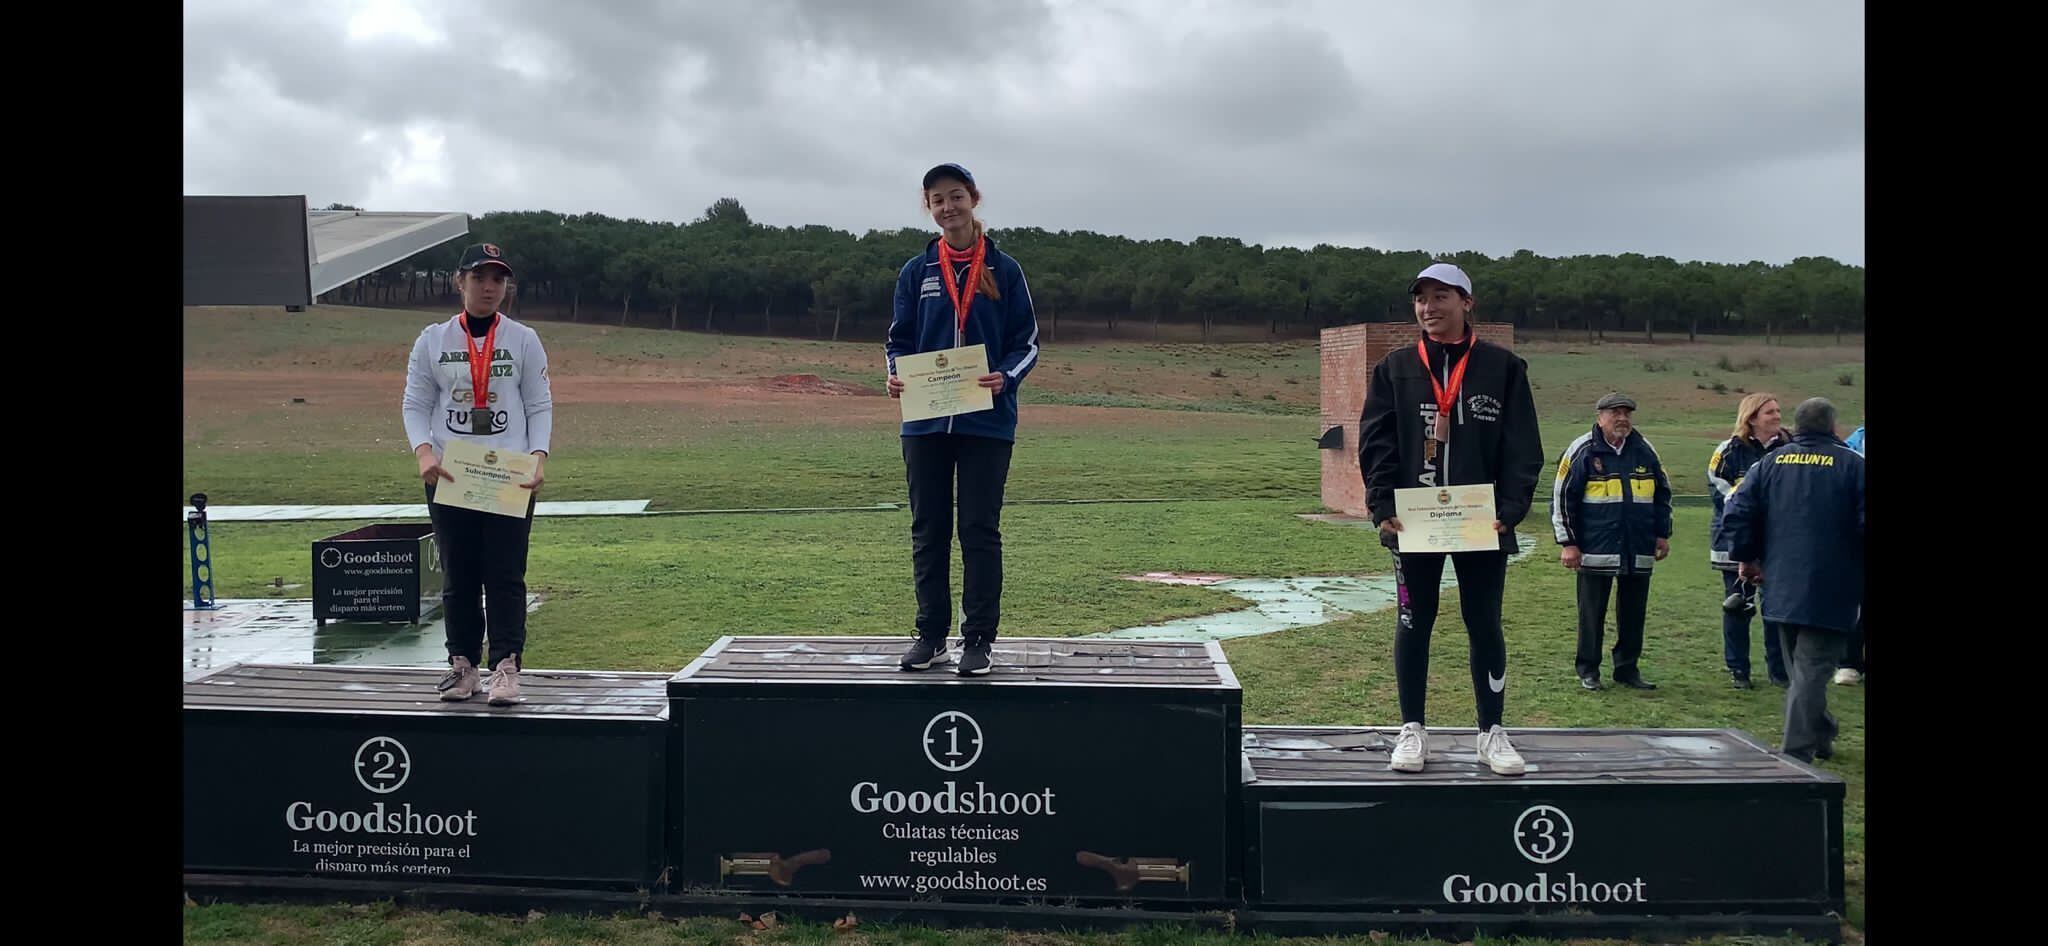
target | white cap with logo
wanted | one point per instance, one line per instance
(1444, 273)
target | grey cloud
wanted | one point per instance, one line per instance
(923, 32)
(1274, 81)
(1724, 131)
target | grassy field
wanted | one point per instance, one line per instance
(695, 422)
(378, 925)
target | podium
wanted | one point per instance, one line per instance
(1083, 782)
(1704, 828)
(362, 774)
(1078, 770)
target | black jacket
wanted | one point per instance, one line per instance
(1798, 512)
(1493, 434)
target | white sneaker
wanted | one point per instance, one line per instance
(1495, 750)
(1409, 749)
(1847, 677)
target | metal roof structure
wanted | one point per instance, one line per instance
(271, 250)
(348, 244)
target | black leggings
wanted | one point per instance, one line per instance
(483, 558)
(931, 463)
(1482, 577)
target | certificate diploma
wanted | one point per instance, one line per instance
(1447, 518)
(944, 383)
(487, 479)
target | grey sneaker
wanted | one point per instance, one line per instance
(505, 682)
(460, 682)
(976, 658)
(924, 654)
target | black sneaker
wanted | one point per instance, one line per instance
(975, 659)
(1739, 681)
(923, 654)
(1635, 682)
(1781, 682)
(1589, 681)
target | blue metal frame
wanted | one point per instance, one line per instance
(202, 556)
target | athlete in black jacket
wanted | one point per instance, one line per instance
(1450, 411)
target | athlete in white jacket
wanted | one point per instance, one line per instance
(454, 391)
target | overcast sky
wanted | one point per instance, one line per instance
(1724, 130)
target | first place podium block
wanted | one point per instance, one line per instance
(1095, 770)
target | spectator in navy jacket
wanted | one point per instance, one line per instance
(1796, 525)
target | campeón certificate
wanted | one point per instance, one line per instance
(1447, 518)
(943, 383)
(486, 479)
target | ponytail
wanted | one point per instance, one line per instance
(988, 276)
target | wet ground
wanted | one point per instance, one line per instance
(282, 631)
(1279, 603)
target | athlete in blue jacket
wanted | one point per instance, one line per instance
(960, 292)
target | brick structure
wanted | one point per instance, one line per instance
(1349, 352)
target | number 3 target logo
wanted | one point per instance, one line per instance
(1543, 834)
(952, 741)
(382, 765)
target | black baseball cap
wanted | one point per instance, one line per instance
(947, 170)
(482, 254)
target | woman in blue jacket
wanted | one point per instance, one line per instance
(1759, 429)
(960, 291)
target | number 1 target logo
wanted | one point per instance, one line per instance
(952, 741)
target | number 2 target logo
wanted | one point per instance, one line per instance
(382, 764)
(952, 741)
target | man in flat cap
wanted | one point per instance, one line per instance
(1611, 510)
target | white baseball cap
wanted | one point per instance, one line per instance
(1444, 273)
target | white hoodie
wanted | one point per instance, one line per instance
(438, 397)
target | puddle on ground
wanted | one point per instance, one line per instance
(1280, 603)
